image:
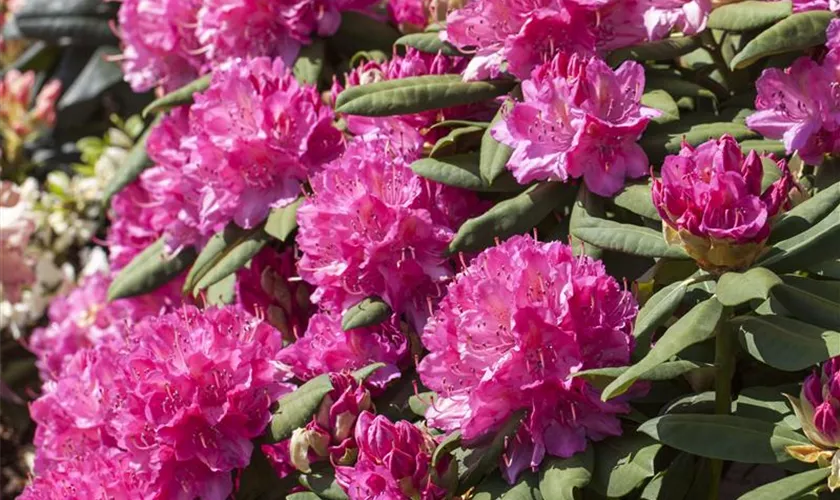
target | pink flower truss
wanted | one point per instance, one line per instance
(579, 118)
(832, 58)
(394, 462)
(711, 202)
(373, 227)
(512, 330)
(800, 106)
(416, 126)
(806, 5)
(195, 389)
(409, 13)
(688, 16)
(159, 45)
(326, 348)
(258, 135)
(267, 288)
(819, 406)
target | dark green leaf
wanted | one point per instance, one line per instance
(494, 155)
(734, 289)
(82, 22)
(479, 462)
(516, 215)
(310, 62)
(660, 140)
(179, 97)
(790, 488)
(560, 477)
(661, 100)
(601, 377)
(818, 309)
(417, 93)
(282, 221)
(626, 238)
(587, 206)
(446, 445)
(785, 343)
(135, 162)
(98, 75)
(322, 482)
(696, 326)
(748, 15)
(494, 488)
(806, 214)
(818, 243)
(459, 140)
(677, 86)
(461, 171)
(636, 198)
(763, 146)
(656, 311)
(359, 32)
(660, 50)
(673, 482)
(368, 312)
(429, 43)
(792, 34)
(527, 488)
(724, 437)
(148, 271)
(623, 463)
(225, 253)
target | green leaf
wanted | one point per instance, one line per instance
(660, 140)
(527, 488)
(224, 254)
(429, 43)
(479, 462)
(560, 477)
(459, 140)
(601, 377)
(98, 75)
(661, 100)
(806, 214)
(179, 97)
(785, 343)
(516, 215)
(623, 463)
(696, 326)
(660, 50)
(282, 222)
(626, 238)
(494, 488)
(790, 488)
(818, 243)
(673, 482)
(677, 86)
(724, 437)
(636, 198)
(310, 62)
(135, 162)
(734, 289)
(303, 495)
(222, 292)
(494, 155)
(322, 482)
(656, 311)
(360, 32)
(792, 34)
(818, 309)
(586, 206)
(81, 22)
(419, 403)
(445, 447)
(763, 146)
(417, 93)
(748, 15)
(148, 271)
(771, 173)
(368, 312)
(461, 171)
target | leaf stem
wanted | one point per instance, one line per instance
(724, 369)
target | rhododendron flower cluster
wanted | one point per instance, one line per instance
(524, 34)
(513, 329)
(394, 462)
(168, 43)
(712, 204)
(819, 405)
(579, 118)
(374, 227)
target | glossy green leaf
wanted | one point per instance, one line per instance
(815, 308)
(310, 62)
(132, 166)
(483, 460)
(677, 86)
(626, 238)
(460, 140)
(526, 488)
(493, 488)
(462, 171)
(322, 482)
(445, 446)
(656, 311)
(98, 75)
(494, 155)
(601, 377)
(360, 32)
(516, 215)
(80, 22)
(790, 488)
(303, 495)
(636, 198)
(734, 289)
(623, 463)
(560, 477)
(368, 312)
(665, 139)
(806, 214)
(417, 93)
(429, 43)
(696, 326)
(179, 97)
(724, 437)
(222, 292)
(797, 32)
(748, 15)
(148, 271)
(662, 100)
(282, 222)
(673, 482)
(818, 243)
(785, 343)
(224, 254)
(660, 50)
(763, 146)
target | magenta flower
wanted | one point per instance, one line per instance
(268, 288)
(512, 330)
(818, 408)
(410, 15)
(326, 348)
(373, 227)
(579, 118)
(688, 16)
(711, 203)
(806, 5)
(394, 462)
(259, 134)
(801, 107)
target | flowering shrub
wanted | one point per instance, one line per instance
(420, 249)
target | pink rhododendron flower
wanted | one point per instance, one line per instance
(688, 16)
(806, 5)
(579, 118)
(410, 15)
(267, 288)
(374, 227)
(512, 330)
(16, 228)
(819, 406)
(394, 462)
(415, 127)
(326, 348)
(259, 134)
(711, 203)
(800, 106)
(329, 435)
